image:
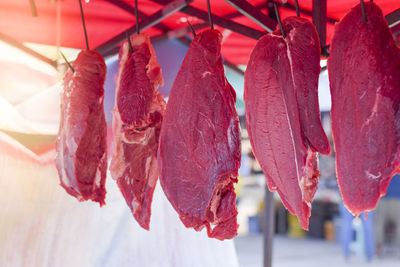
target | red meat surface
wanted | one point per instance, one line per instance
(364, 76)
(282, 113)
(137, 118)
(199, 153)
(82, 139)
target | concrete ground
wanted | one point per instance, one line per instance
(289, 252)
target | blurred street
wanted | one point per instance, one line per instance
(305, 252)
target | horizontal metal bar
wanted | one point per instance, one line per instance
(186, 41)
(254, 14)
(225, 23)
(148, 22)
(130, 9)
(220, 21)
(179, 33)
(393, 18)
(287, 5)
(233, 67)
(27, 50)
(175, 34)
(237, 13)
(396, 33)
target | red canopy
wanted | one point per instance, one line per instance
(104, 20)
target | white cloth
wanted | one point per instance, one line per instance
(41, 225)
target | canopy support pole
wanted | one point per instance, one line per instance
(148, 22)
(254, 14)
(289, 6)
(169, 33)
(268, 227)
(220, 21)
(393, 18)
(178, 33)
(319, 15)
(128, 8)
(27, 50)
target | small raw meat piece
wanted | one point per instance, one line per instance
(137, 118)
(82, 139)
(364, 76)
(199, 153)
(282, 113)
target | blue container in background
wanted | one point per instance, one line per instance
(254, 226)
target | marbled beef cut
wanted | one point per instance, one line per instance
(137, 117)
(199, 153)
(282, 113)
(364, 76)
(81, 144)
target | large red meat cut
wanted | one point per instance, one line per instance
(364, 76)
(137, 118)
(282, 113)
(82, 139)
(199, 153)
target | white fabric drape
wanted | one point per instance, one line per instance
(41, 225)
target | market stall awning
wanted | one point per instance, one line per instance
(56, 22)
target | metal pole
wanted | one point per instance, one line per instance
(22, 47)
(218, 20)
(319, 18)
(147, 22)
(269, 227)
(254, 14)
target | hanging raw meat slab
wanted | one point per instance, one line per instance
(137, 118)
(282, 113)
(81, 144)
(199, 153)
(364, 76)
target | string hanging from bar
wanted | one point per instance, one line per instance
(84, 25)
(66, 61)
(278, 17)
(296, 4)
(209, 15)
(364, 16)
(191, 29)
(33, 8)
(129, 41)
(137, 17)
